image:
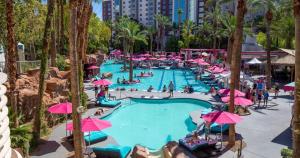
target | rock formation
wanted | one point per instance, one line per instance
(27, 85)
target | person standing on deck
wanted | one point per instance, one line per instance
(171, 88)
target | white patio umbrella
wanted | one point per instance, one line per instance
(254, 61)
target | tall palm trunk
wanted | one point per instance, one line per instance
(53, 48)
(269, 17)
(61, 34)
(130, 63)
(296, 109)
(151, 44)
(12, 58)
(235, 69)
(229, 48)
(75, 88)
(39, 112)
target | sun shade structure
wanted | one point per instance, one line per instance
(93, 67)
(238, 101)
(61, 108)
(91, 124)
(226, 92)
(289, 87)
(102, 82)
(221, 118)
(254, 61)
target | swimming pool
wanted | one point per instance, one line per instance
(161, 77)
(152, 123)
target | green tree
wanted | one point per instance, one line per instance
(99, 35)
(132, 33)
(151, 31)
(163, 22)
(187, 34)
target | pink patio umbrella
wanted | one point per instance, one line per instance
(190, 60)
(61, 108)
(289, 87)
(91, 124)
(199, 60)
(152, 58)
(238, 101)
(217, 70)
(226, 92)
(213, 67)
(102, 82)
(203, 63)
(93, 67)
(222, 117)
(162, 59)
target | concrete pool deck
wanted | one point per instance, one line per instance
(265, 131)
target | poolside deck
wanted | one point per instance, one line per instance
(266, 131)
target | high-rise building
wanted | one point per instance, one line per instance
(144, 11)
(107, 10)
(191, 10)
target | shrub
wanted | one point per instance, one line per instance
(286, 153)
(61, 63)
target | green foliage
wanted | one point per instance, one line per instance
(60, 62)
(187, 34)
(286, 153)
(172, 44)
(261, 39)
(20, 137)
(99, 35)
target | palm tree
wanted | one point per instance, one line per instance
(296, 109)
(163, 22)
(12, 57)
(151, 31)
(235, 69)
(39, 112)
(179, 12)
(75, 85)
(229, 23)
(132, 33)
(187, 34)
(270, 7)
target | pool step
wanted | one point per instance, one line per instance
(161, 80)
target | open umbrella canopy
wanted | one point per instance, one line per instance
(222, 117)
(226, 92)
(91, 124)
(289, 87)
(254, 61)
(102, 82)
(203, 63)
(213, 67)
(61, 108)
(238, 101)
(162, 59)
(93, 67)
(217, 70)
(152, 58)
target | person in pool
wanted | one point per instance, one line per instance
(164, 88)
(150, 88)
(118, 80)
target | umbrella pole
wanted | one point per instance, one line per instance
(66, 123)
(221, 136)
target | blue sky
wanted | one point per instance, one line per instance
(97, 8)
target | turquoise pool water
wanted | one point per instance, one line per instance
(161, 77)
(152, 123)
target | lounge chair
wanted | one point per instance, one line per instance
(102, 101)
(94, 137)
(112, 151)
(217, 128)
(193, 146)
